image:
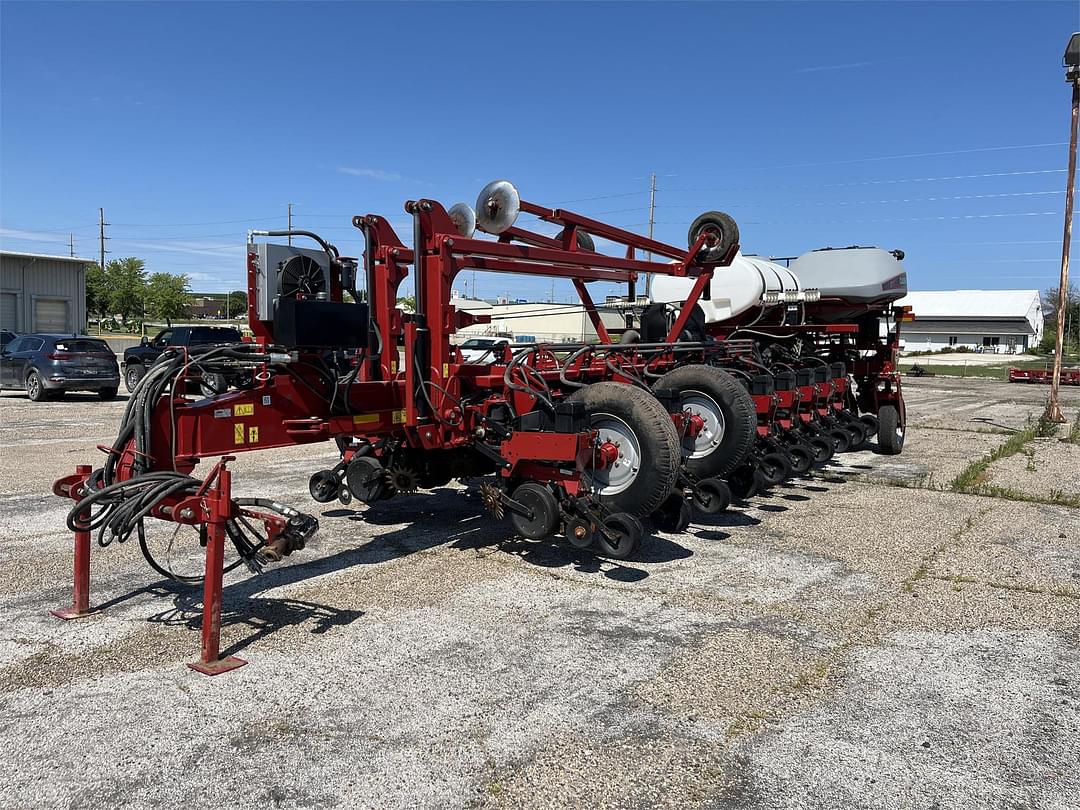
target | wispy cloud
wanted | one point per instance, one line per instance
(844, 66)
(32, 236)
(374, 174)
(382, 175)
(194, 248)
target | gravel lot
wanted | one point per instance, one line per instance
(847, 641)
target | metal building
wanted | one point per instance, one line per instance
(999, 321)
(40, 293)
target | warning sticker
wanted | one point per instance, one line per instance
(238, 433)
(244, 410)
(399, 417)
(393, 366)
(222, 413)
(253, 435)
(365, 418)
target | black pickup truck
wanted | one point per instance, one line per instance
(139, 358)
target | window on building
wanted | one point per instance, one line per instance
(952, 340)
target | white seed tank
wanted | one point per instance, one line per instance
(857, 275)
(734, 289)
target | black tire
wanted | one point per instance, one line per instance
(712, 496)
(775, 468)
(584, 240)
(107, 394)
(801, 458)
(35, 388)
(674, 514)
(870, 422)
(745, 482)
(366, 479)
(632, 414)
(545, 511)
(628, 532)
(841, 439)
(822, 448)
(890, 431)
(723, 233)
(717, 396)
(213, 385)
(858, 434)
(323, 486)
(132, 374)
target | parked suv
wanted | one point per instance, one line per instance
(139, 358)
(46, 365)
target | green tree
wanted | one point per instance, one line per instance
(97, 290)
(407, 303)
(168, 296)
(125, 284)
(1071, 338)
(238, 302)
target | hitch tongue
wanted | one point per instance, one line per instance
(298, 530)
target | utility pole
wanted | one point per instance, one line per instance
(1071, 63)
(652, 221)
(101, 238)
(290, 223)
(71, 245)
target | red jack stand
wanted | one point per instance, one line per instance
(73, 487)
(219, 505)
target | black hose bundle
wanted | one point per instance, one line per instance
(116, 509)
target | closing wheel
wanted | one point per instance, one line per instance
(637, 455)
(580, 533)
(857, 433)
(213, 385)
(712, 496)
(625, 531)
(674, 514)
(746, 482)
(720, 231)
(726, 411)
(890, 431)
(870, 422)
(801, 457)
(366, 479)
(323, 486)
(542, 515)
(841, 440)
(775, 468)
(822, 448)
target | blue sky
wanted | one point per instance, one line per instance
(937, 128)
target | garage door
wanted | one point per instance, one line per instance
(51, 315)
(8, 307)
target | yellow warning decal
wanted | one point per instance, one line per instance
(445, 370)
(238, 433)
(399, 417)
(253, 435)
(365, 418)
(244, 410)
(393, 366)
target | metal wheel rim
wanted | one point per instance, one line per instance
(33, 385)
(622, 474)
(712, 434)
(132, 378)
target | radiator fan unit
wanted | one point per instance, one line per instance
(301, 277)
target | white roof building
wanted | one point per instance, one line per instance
(996, 320)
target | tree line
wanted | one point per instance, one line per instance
(124, 289)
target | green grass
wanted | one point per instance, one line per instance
(973, 476)
(989, 371)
